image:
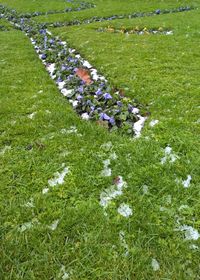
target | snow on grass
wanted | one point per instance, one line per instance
(137, 127)
(112, 192)
(169, 156)
(123, 242)
(32, 115)
(153, 123)
(58, 178)
(71, 130)
(186, 183)
(106, 172)
(30, 203)
(155, 265)
(63, 275)
(27, 225)
(54, 225)
(190, 232)
(125, 210)
(4, 150)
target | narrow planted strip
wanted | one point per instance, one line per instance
(80, 6)
(123, 16)
(136, 30)
(90, 94)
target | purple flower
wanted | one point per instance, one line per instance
(130, 108)
(157, 12)
(43, 56)
(51, 41)
(119, 103)
(79, 97)
(42, 31)
(98, 92)
(104, 116)
(80, 89)
(59, 80)
(112, 121)
(107, 96)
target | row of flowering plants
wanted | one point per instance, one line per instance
(90, 94)
(122, 16)
(136, 30)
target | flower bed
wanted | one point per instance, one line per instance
(136, 30)
(113, 17)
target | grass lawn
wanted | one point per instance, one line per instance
(117, 7)
(65, 233)
(37, 5)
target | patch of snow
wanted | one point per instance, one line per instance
(190, 232)
(123, 242)
(145, 189)
(45, 190)
(186, 183)
(85, 116)
(4, 150)
(106, 146)
(106, 172)
(30, 203)
(112, 192)
(67, 92)
(153, 122)
(155, 265)
(169, 156)
(113, 156)
(54, 225)
(31, 116)
(27, 225)
(137, 127)
(63, 275)
(125, 210)
(87, 64)
(58, 178)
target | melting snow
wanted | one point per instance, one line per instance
(63, 274)
(155, 265)
(169, 156)
(137, 127)
(27, 225)
(190, 232)
(186, 183)
(153, 122)
(114, 191)
(145, 189)
(125, 210)
(54, 225)
(59, 178)
(31, 116)
(30, 203)
(123, 242)
(106, 172)
(106, 146)
(45, 190)
(85, 116)
(5, 149)
(72, 129)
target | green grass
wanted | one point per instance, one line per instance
(161, 71)
(37, 5)
(113, 7)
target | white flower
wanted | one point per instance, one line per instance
(67, 92)
(137, 127)
(87, 64)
